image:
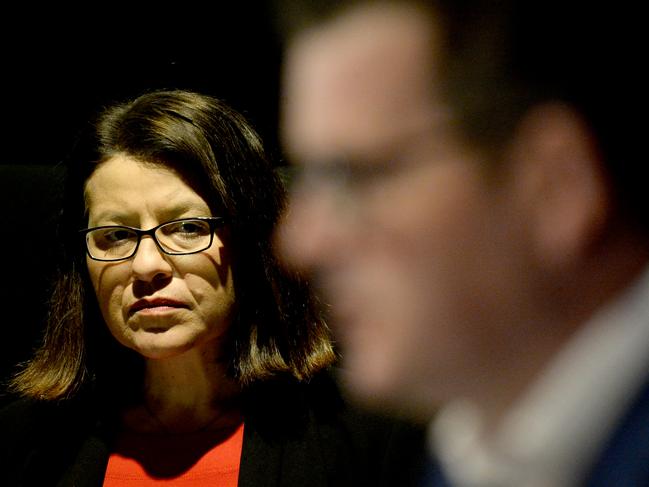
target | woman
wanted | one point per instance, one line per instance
(176, 347)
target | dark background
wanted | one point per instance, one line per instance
(58, 67)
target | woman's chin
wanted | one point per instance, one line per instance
(162, 343)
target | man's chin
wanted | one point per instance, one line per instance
(384, 390)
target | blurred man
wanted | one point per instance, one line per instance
(470, 199)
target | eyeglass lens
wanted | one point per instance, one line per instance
(178, 237)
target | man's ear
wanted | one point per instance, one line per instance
(560, 182)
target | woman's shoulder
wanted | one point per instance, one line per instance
(40, 439)
(24, 426)
(391, 447)
(25, 420)
(20, 415)
(288, 402)
(354, 443)
(320, 397)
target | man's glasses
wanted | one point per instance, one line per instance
(177, 237)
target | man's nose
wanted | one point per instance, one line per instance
(316, 228)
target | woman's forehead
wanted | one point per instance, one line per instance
(123, 185)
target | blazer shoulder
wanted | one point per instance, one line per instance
(309, 433)
(20, 417)
(23, 428)
(30, 422)
(388, 449)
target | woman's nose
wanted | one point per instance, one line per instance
(149, 262)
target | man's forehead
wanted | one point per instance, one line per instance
(359, 80)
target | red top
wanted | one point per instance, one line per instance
(191, 460)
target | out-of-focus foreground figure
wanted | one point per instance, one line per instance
(470, 196)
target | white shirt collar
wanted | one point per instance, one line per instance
(553, 433)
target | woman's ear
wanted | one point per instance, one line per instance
(560, 181)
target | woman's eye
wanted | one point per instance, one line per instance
(187, 228)
(117, 235)
(111, 237)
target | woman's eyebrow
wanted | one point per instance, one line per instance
(110, 217)
(117, 217)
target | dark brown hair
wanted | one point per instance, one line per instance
(278, 330)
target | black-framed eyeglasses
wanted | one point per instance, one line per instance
(176, 237)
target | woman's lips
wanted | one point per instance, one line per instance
(155, 306)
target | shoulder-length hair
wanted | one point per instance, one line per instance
(278, 329)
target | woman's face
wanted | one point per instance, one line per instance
(156, 304)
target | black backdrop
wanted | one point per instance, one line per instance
(58, 67)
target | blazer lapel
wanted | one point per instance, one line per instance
(260, 458)
(281, 446)
(89, 466)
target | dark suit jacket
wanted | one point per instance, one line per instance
(295, 435)
(624, 458)
(622, 461)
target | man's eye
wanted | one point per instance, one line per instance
(349, 173)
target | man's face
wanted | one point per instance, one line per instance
(410, 241)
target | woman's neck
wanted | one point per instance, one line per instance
(187, 393)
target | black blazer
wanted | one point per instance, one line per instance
(295, 435)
